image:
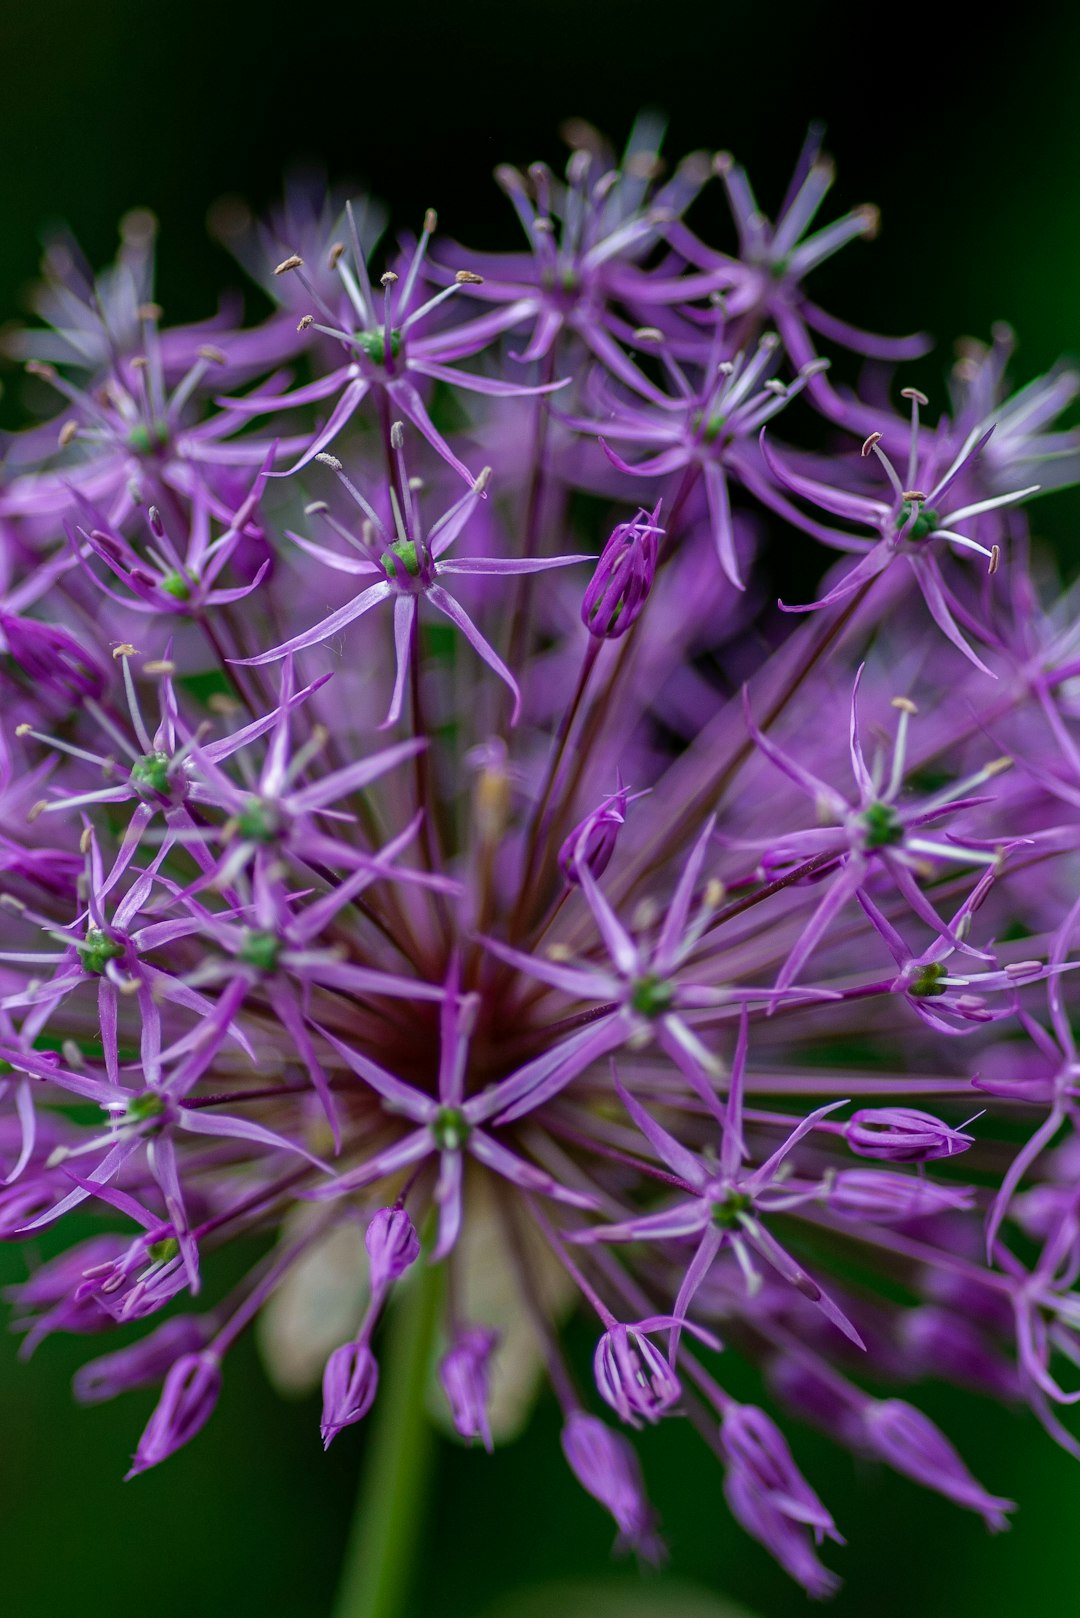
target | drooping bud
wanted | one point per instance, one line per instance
(619, 588)
(465, 1374)
(881, 1197)
(350, 1382)
(605, 1463)
(903, 1135)
(392, 1245)
(633, 1377)
(910, 1443)
(187, 1402)
(784, 1539)
(755, 1445)
(948, 1345)
(142, 1364)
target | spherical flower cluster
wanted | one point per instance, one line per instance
(422, 829)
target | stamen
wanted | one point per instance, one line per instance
(293, 262)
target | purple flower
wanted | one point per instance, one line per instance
(392, 1245)
(633, 1376)
(187, 1402)
(606, 1465)
(267, 983)
(902, 1135)
(350, 1382)
(410, 566)
(464, 1372)
(910, 1443)
(619, 589)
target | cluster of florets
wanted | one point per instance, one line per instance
(394, 860)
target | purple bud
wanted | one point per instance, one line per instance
(947, 1345)
(633, 1376)
(187, 1402)
(606, 1465)
(910, 1443)
(754, 1444)
(593, 839)
(142, 1364)
(903, 1135)
(392, 1245)
(619, 588)
(783, 1538)
(464, 1372)
(882, 1198)
(350, 1382)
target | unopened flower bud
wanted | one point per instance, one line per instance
(624, 575)
(633, 1377)
(910, 1443)
(464, 1372)
(753, 1443)
(785, 1539)
(593, 839)
(350, 1382)
(882, 1198)
(949, 1346)
(187, 1402)
(392, 1245)
(903, 1135)
(606, 1465)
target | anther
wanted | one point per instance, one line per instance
(47, 373)
(997, 766)
(468, 278)
(208, 352)
(157, 527)
(335, 253)
(913, 393)
(331, 461)
(397, 435)
(67, 432)
(913, 495)
(870, 214)
(868, 446)
(431, 222)
(995, 560)
(905, 705)
(648, 334)
(482, 480)
(159, 665)
(86, 838)
(24, 730)
(723, 163)
(149, 311)
(315, 508)
(388, 278)
(37, 809)
(293, 262)
(140, 363)
(304, 322)
(124, 649)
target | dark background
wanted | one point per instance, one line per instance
(966, 135)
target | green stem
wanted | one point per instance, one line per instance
(381, 1551)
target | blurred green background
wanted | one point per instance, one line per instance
(967, 138)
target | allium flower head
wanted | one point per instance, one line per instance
(672, 962)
